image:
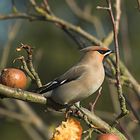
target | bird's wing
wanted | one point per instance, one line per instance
(72, 74)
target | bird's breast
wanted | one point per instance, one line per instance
(94, 80)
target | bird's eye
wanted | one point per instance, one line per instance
(104, 51)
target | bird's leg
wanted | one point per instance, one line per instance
(71, 110)
(92, 105)
(68, 112)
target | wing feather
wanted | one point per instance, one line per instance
(72, 74)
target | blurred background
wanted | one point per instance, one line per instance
(55, 52)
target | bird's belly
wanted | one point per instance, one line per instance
(69, 93)
(73, 92)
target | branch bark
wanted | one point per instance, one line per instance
(22, 95)
(115, 24)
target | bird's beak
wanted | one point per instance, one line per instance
(109, 52)
(112, 51)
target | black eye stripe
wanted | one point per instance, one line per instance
(103, 51)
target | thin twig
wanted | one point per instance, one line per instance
(29, 62)
(25, 67)
(47, 7)
(138, 2)
(115, 24)
(21, 16)
(89, 134)
(85, 14)
(92, 105)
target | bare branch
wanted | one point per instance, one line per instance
(22, 95)
(28, 65)
(115, 24)
(92, 105)
(85, 14)
(94, 121)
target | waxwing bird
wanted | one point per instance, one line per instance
(80, 81)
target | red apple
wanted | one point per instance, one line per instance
(13, 77)
(108, 136)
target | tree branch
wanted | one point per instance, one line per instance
(92, 119)
(22, 95)
(115, 24)
(95, 122)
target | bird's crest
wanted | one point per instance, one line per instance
(94, 48)
(102, 50)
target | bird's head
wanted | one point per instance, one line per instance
(98, 51)
(104, 51)
(101, 50)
